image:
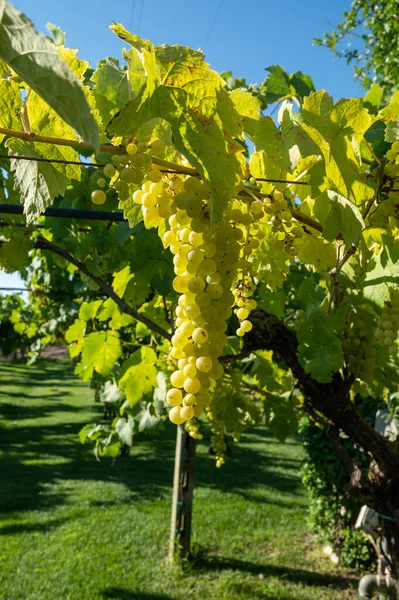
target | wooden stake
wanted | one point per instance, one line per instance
(183, 490)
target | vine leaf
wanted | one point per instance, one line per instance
(139, 374)
(37, 61)
(101, 350)
(14, 254)
(320, 352)
(37, 182)
(339, 216)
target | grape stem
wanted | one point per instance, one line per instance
(373, 154)
(52, 160)
(44, 139)
(42, 244)
(257, 389)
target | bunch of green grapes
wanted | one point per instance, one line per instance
(283, 223)
(393, 153)
(132, 167)
(359, 350)
(388, 324)
(193, 429)
(244, 287)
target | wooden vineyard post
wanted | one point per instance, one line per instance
(183, 490)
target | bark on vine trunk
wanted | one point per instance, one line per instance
(331, 400)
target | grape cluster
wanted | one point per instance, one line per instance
(360, 353)
(132, 167)
(393, 152)
(282, 223)
(388, 324)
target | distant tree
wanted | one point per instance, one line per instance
(373, 29)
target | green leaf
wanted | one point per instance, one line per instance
(302, 84)
(270, 265)
(276, 86)
(314, 252)
(14, 254)
(101, 350)
(336, 132)
(281, 416)
(320, 352)
(373, 98)
(10, 105)
(111, 88)
(267, 373)
(121, 279)
(58, 36)
(124, 429)
(111, 393)
(139, 374)
(339, 216)
(248, 107)
(75, 332)
(37, 182)
(272, 302)
(382, 271)
(36, 60)
(270, 139)
(88, 310)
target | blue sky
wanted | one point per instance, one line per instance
(242, 37)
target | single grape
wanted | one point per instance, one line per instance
(189, 400)
(204, 364)
(246, 326)
(190, 370)
(158, 147)
(196, 285)
(131, 148)
(109, 170)
(177, 379)
(187, 413)
(98, 197)
(192, 385)
(174, 397)
(200, 335)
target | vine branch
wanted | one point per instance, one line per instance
(42, 244)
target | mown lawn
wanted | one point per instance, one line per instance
(75, 529)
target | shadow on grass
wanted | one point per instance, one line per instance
(120, 594)
(28, 527)
(37, 455)
(208, 563)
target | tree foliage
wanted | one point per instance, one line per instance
(373, 30)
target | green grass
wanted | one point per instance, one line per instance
(75, 529)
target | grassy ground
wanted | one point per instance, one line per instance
(75, 529)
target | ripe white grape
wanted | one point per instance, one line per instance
(200, 335)
(196, 285)
(177, 379)
(192, 385)
(204, 364)
(190, 370)
(189, 400)
(174, 397)
(98, 197)
(131, 148)
(158, 147)
(246, 326)
(187, 413)
(109, 170)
